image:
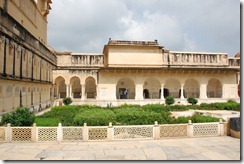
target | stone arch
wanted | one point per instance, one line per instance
(90, 88)
(172, 86)
(75, 87)
(125, 89)
(192, 88)
(60, 87)
(214, 88)
(153, 86)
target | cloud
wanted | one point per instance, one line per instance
(189, 25)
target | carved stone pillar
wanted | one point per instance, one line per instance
(139, 92)
(182, 92)
(162, 92)
(58, 95)
(70, 91)
(83, 96)
(203, 91)
(67, 90)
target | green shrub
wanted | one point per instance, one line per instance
(169, 100)
(47, 121)
(154, 107)
(65, 114)
(95, 117)
(192, 100)
(221, 106)
(138, 116)
(196, 118)
(67, 101)
(20, 117)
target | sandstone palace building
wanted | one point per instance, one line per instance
(132, 72)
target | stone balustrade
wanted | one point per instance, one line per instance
(197, 59)
(234, 62)
(133, 43)
(109, 133)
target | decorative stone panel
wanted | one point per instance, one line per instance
(21, 134)
(2, 134)
(131, 132)
(97, 133)
(47, 134)
(173, 130)
(72, 134)
(211, 129)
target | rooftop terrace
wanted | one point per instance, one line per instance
(133, 43)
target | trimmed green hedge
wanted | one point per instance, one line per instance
(65, 115)
(47, 121)
(126, 114)
(136, 116)
(95, 117)
(196, 118)
(221, 106)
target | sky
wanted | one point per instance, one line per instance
(85, 26)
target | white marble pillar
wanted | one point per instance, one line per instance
(70, 91)
(162, 91)
(67, 90)
(182, 92)
(139, 92)
(83, 96)
(203, 91)
(58, 95)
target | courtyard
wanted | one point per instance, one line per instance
(200, 148)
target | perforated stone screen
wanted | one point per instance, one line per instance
(173, 130)
(47, 134)
(72, 134)
(97, 133)
(211, 129)
(21, 134)
(133, 132)
(2, 134)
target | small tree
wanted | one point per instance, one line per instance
(170, 100)
(67, 101)
(192, 100)
(20, 117)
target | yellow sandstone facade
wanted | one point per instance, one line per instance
(140, 72)
(132, 72)
(26, 63)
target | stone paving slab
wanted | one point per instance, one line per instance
(202, 148)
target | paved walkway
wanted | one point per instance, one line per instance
(207, 148)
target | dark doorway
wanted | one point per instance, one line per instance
(123, 93)
(146, 93)
(166, 92)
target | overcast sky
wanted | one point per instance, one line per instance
(85, 26)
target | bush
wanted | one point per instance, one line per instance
(95, 117)
(138, 116)
(20, 117)
(192, 100)
(169, 100)
(67, 101)
(221, 106)
(196, 118)
(65, 114)
(47, 121)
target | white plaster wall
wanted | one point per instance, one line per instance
(135, 56)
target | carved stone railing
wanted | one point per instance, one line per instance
(80, 60)
(197, 59)
(234, 62)
(87, 60)
(110, 133)
(133, 43)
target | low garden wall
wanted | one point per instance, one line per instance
(110, 133)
